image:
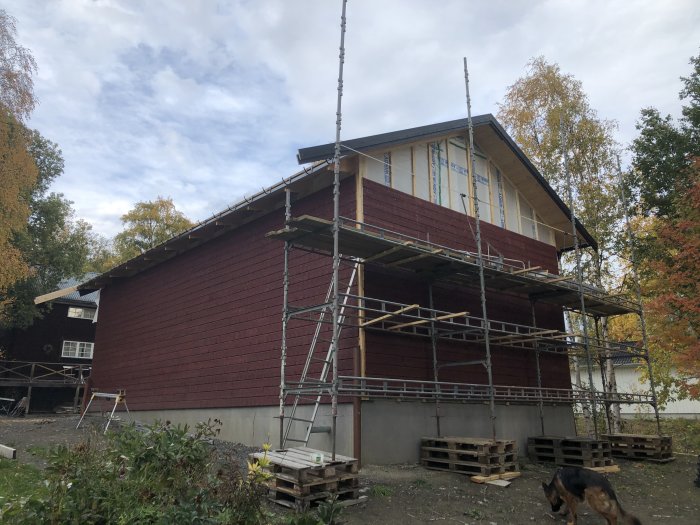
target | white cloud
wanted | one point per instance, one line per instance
(208, 101)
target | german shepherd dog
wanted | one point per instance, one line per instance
(572, 485)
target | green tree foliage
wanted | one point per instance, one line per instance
(147, 225)
(665, 185)
(101, 254)
(663, 155)
(53, 243)
(163, 474)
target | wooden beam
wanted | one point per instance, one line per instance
(55, 295)
(415, 258)
(526, 335)
(525, 270)
(505, 475)
(558, 279)
(8, 452)
(609, 469)
(387, 252)
(392, 314)
(422, 321)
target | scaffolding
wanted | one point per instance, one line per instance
(357, 244)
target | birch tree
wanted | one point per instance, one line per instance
(548, 114)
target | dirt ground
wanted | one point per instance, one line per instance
(409, 494)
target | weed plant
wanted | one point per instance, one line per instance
(163, 475)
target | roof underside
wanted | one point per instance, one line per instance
(459, 267)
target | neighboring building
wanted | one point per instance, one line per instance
(628, 378)
(62, 340)
(65, 333)
(192, 329)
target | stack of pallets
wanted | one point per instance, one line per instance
(297, 480)
(641, 447)
(570, 451)
(471, 456)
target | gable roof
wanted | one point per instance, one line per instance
(68, 292)
(488, 132)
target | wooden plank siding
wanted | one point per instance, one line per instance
(42, 341)
(398, 356)
(204, 328)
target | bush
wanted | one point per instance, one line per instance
(163, 475)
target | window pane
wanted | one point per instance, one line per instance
(78, 349)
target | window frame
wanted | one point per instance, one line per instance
(82, 315)
(77, 349)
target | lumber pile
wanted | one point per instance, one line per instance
(570, 451)
(302, 477)
(641, 447)
(470, 456)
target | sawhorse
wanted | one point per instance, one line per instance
(119, 398)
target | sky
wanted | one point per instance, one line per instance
(208, 101)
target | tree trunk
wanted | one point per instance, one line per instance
(585, 406)
(615, 417)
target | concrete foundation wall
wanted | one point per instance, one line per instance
(391, 431)
(255, 426)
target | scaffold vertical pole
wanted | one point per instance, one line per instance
(607, 387)
(482, 287)
(638, 293)
(540, 401)
(336, 227)
(433, 342)
(285, 313)
(579, 269)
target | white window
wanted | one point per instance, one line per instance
(80, 349)
(81, 313)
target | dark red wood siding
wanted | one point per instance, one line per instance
(409, 357)
(204, 328)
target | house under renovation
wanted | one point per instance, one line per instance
(427, 332)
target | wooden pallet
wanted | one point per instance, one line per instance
(641, 447)
(570, 451)
(471, 456)
(297, 481)
(479, 445)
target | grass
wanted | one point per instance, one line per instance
(380, 491)
(421, 483)
(685, 432)
(17, 479)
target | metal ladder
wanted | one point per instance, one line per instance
(327, 364)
